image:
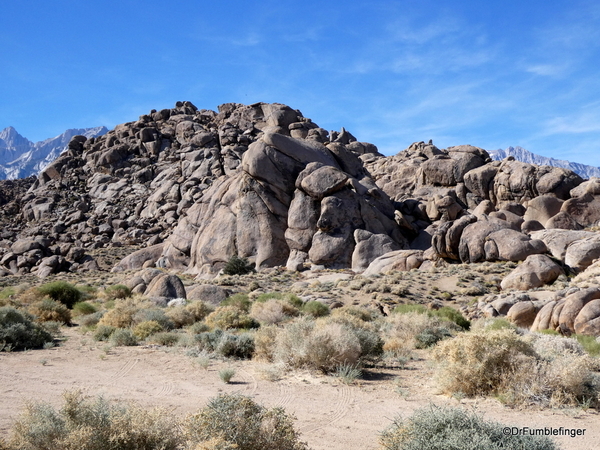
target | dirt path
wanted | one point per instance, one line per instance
(330, 415)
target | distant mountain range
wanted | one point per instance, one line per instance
(20, 158)
(520, 154)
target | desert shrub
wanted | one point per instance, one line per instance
(292, 299)
(496, 323)
(239, 300)
(18, 331)
(156, 314)
(144, 329)
(400, 331)
(315, 309)
(185, 315)
(198, 327)
(348, 373)
(6, 294)
(476, 363)
(236, 346)
(227, 317)
(61, 291)
(368, 334)
(90, 320)
(272, 311)
(123, 337)
(50, 310)
(118, 291)
(238, 266)
(431, 336)
(103, 332)
(264, 342)
(208, 340)
(410, 308)
(364, 314)
(121, 316)
(84, 423)
(240, 421)
(443, 428)
(589, 343)
(453, 315)
(324, 346)
(563, 380)
(199, 309)
(226, 374)
(83, 308)
(180, 316)
(445, 312)
(165, 338)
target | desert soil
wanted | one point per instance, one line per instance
(330, 415)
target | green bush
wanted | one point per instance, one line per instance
(49, 310)
(84, 423)
(123, 337)
(240, 301)
(292, 299)
(118, 291)
(61, 291)
(409, 308)
(315, 309)
(208, 341)
(238, 266)
(453, 315)
(18, 331)
(83, 309)
(103, 332)
(431, 336)
(240, 421)
(445, 428)
(445, 312)
(236, 346)
(589, 343)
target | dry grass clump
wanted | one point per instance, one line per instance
(121, 316)
(118, 291)
(237, 420)
(273, 311)
(264, 342)
(49, 310)
(227, 317)
(322, 345)
(545, 370)
(147, 328)
(84, 423)
(402, 333)
(186, 315)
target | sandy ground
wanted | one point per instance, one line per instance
(330, 415)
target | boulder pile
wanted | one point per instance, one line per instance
(194, 187)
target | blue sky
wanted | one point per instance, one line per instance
(485, 73)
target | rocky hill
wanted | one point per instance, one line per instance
(195, 187)
(21, 158)
(520, 154)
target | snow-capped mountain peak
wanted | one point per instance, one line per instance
(20, 158)
(520, 154)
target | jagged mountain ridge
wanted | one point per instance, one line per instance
(21, 158)
(520, 154)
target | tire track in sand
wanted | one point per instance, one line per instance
(344, 401)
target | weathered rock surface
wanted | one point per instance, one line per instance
(535, 271)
